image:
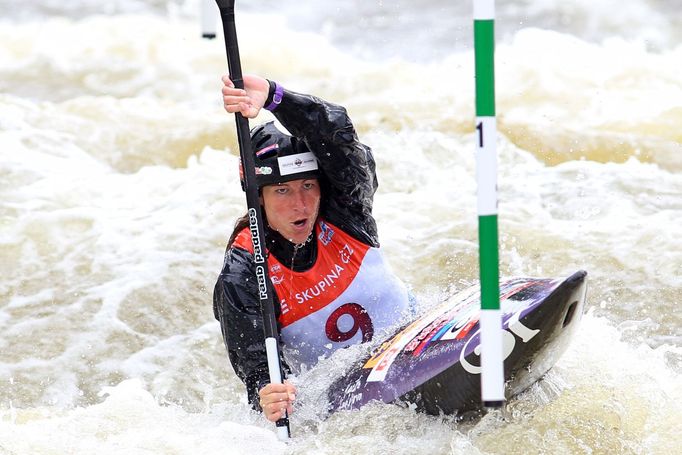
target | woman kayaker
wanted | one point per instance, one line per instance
(333, 287)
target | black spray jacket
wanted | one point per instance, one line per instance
(348, 185)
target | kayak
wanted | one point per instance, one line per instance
(433, 362)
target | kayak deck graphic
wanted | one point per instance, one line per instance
(434, 361)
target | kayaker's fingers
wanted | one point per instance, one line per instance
(227, 81)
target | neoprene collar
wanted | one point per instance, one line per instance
(299, 258)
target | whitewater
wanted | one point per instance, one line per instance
(119, 188)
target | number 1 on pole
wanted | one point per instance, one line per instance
(492, 366)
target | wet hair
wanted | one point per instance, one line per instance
(239, 225)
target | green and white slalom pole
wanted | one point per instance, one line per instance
(492, 361)
(208, 19)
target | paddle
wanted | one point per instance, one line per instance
(492, 363)
(254, 210)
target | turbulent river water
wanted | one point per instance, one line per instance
(119, 187)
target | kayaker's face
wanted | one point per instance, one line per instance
(292, 207)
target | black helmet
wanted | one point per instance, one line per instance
(279, 157)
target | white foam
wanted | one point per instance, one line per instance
(119, 188)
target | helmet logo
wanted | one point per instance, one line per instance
(294, 164)
(263, 170)
(265, 151)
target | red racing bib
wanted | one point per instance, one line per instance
(348, 296)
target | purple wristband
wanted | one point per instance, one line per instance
(276, 98)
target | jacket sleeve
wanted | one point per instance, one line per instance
(236, 306)
(349, 177)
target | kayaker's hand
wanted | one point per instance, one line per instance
(248, 101)
(275, 399)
